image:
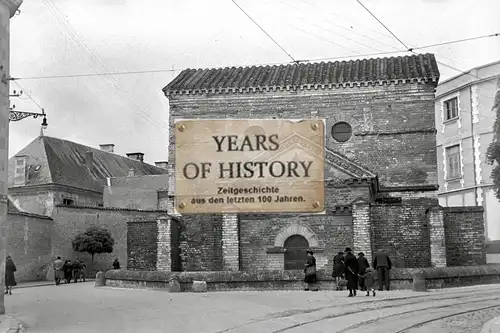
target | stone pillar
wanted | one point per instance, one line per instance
(361, 226)
(163, 259)
(230, 243)
(7, 9)
(435, 220)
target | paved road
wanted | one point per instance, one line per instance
(83, 308)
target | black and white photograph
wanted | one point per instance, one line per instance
(236, 166)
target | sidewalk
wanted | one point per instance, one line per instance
(21, 285)
(493, 326)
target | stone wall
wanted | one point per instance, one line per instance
(142, 245)
(29, 244)
(402, 229)
(465, 241)
(201, 242)
(262, 237)
(72, 220)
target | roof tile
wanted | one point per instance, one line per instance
(421, 67)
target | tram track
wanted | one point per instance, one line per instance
(355, 308)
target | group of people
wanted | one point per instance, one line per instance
(353, 272)
(69, 270)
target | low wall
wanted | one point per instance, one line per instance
(401, 278)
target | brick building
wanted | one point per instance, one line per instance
(381, 170)
(56, 190)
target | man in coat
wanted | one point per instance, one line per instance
(382, 263)
(58, 270)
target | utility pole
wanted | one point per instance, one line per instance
(8, 8)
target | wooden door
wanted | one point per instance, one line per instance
(175, 246)
(295, 252)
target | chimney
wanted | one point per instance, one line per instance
(89, 159)
(163, 165)
(136, 156)
(20, 170)
(131, 172)
(108, 147)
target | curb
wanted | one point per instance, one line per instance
(492, 326)
(45, 284)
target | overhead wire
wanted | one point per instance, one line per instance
(264, 31)
(94, 61)
(407, 49)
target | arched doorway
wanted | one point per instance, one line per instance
(295, 252)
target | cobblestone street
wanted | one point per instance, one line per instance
(83, 308)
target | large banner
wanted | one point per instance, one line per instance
(249, 166)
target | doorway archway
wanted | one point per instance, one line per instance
(295, 252)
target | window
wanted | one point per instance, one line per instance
(451, 108)
(68, 202)
(341, 131)
(453, 161)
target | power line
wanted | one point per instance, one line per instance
(455, 41)
(264, 31)
(399, 40)
(412, 49)
(94, 61)
(261, 64)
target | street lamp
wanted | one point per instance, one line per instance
(15, 115)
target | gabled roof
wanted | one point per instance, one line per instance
(57, 161)
(415, 68)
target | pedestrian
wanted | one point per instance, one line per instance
(68, 271)
(310, 272)
(77, 266)
(338, 269)
(58, 270)
(10, 279)
(83, 270)
(382, 263)
(369, 279)
(363, 265)
(116, 264)
(351, 272)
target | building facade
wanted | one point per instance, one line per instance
(464, 122)
(50, 171)
(380, 168)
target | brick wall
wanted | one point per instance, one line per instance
(258, 233)
(386, 121)
(403, 230)
(142, 245)
(465, 241)
(29, 244)
(201, 242)
(70, 221)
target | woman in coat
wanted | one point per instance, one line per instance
(351, 272)
(10, 279)
(310, 271)
(338, 269)
(363, 265)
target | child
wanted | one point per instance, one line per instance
(369, 277)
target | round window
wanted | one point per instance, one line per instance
(341, 132)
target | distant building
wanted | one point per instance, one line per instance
(464, 122)
(51, 171)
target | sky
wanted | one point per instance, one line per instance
(73, 37)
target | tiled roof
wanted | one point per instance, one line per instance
(57, 161)
(422, 67)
